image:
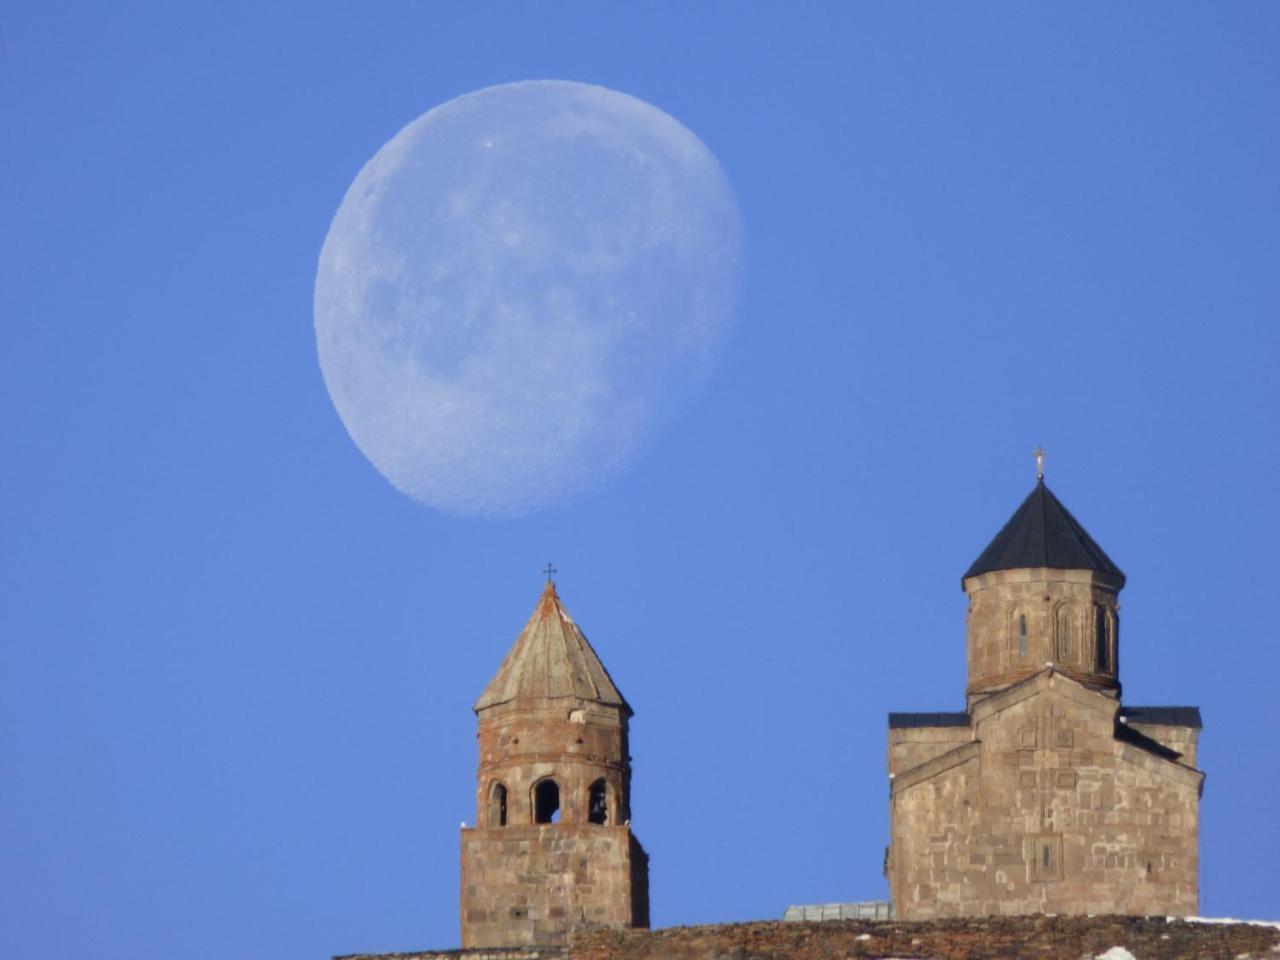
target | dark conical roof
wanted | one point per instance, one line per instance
(1043, 533)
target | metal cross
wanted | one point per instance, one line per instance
(550, 571)
(1039, 463)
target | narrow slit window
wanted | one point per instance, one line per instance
(1045, 855)
(546, 802)
(1022, 635)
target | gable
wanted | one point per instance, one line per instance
(1051, 712)
(1047, 693)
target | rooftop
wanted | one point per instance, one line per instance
(551, 659)
(1163, 716)
(1043, 533)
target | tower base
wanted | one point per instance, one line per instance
(536, 884)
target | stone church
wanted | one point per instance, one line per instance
(1046, 795)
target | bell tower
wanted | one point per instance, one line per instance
(552, 848)
(1042, 592)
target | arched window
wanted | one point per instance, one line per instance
(598, 803)
(1102, 640)
(1065, 634)
(498, 806)
(546, 802)
(1019, 633)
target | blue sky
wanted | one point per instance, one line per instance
(239, 665)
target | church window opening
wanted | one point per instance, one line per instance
(1046, 857)
(598, 803)
(546, 802)
(1103, 651)
(1022, 635)
(498, 806)
(1066, 635)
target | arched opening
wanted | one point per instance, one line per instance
(546, 802)
(498, 805)
(1065, 635)
(1019, 636)
(598, 803)
(1102, 640)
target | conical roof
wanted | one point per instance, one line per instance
(551, 659)
(1043, 533)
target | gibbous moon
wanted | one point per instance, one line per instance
(519, 287)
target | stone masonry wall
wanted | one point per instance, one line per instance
(573, 742)
(1061, 608)
(1181, 740)
(1045, 811)
(987, 938)
(909, 747)
(526, 885)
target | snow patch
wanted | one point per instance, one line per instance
(1116, 953)
(1251, 923)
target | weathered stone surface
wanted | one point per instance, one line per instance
(1043, 810)
(1039, 798)
(1069, 618)
(533, 884)
(552, 724)
(987, 938)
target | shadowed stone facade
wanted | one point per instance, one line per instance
(552, 849)
(1046, 795)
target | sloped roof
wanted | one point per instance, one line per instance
(1043, 533)
(1163, 716)
(551, 659)
(906, 721)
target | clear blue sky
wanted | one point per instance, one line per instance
(238, 666)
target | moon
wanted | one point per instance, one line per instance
(519, 288)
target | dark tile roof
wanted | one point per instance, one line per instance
(1163, 716)
(899, 721)
(1043, 533)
